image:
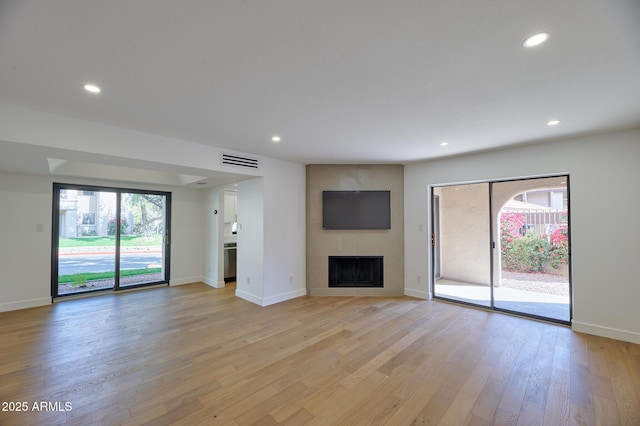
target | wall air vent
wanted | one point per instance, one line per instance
(236, 160)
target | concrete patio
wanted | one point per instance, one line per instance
(550, 306)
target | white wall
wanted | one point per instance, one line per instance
(604, 236)
(213, 230)
(284, 230)
(25, 251)
(187, 236)
(250, 247)
(271, 241)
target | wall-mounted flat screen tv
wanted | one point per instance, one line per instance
(356, 209)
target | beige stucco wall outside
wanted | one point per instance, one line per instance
(464, 233)
(385, 242)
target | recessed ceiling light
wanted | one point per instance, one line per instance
(276, 139)
(553, 122)
(92, 88)
(444, 143)
(535, 39)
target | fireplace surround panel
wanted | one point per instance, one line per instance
(323, 243)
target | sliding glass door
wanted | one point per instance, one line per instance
(108, 239)
(531, 255)
(142, 237)
(461, 243)
(504, 245)
(86, 243)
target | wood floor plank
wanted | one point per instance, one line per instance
(519, 376)
(194, 355)
(557, 407)
(539, 379)
(580, 390)
(415, 402)
(504, 418)
(531, 415)
(300, 417)
(487, 403)
(465, 399)
(335, 411)
(580, 415)
(432, 413)
(606, 412)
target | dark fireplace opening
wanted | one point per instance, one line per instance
(355, 271)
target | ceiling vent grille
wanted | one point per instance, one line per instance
(236, 160)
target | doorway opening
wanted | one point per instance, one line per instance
(108, 239)
(504, 245)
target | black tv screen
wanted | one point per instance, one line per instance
(356, 209)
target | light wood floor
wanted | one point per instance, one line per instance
(195, 355)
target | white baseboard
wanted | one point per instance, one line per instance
(417, 293)
(612, 333)
(270, 300)
(214, 283)
(184, 281)
(24, 304)
(284, 296)
(249, 297)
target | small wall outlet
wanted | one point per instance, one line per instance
(420, 227)
(248, 280)
(290, 279)
(419, 279)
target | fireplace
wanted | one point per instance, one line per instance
(355, 271)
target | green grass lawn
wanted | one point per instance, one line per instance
(92, 276)
(125, 241)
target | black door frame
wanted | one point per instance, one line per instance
(55, 234)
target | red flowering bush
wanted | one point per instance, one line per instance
(524, 251)
(511, 225)
(559, 253)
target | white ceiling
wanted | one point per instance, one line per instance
(362, 81)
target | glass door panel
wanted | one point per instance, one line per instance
(531, 250)
(86, 243)
(142, 232)
(461, 241)
(108, 238)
